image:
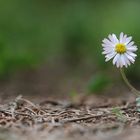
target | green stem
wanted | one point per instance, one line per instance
(135, 91)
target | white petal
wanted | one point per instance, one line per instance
(115, 38)
(132, 48)
(111, 38)
(118, 64)
(125, 61)
(107, 42)
(130, 44)
(128, 39)
(110, 56)
(124, 39)
(121, 37)
(131, 54)
(115, 59)
(107, 50)
(105, 45)
(130, 58)
(122, 61)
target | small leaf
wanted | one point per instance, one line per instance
(119, 114)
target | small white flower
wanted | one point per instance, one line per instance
(121, 50)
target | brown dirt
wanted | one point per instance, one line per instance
(82, 118)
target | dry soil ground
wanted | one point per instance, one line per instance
(84, 118)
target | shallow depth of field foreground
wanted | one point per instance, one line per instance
(55, 81)
(89, 118)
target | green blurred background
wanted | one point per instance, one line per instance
(54, 46)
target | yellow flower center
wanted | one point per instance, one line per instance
(120, 48)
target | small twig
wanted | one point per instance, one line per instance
(18, 113)
(29, 109)
(32, 104)
(83, 118)
(29, 102)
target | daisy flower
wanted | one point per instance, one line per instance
(121, 50)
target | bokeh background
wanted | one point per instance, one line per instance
(53, 47)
